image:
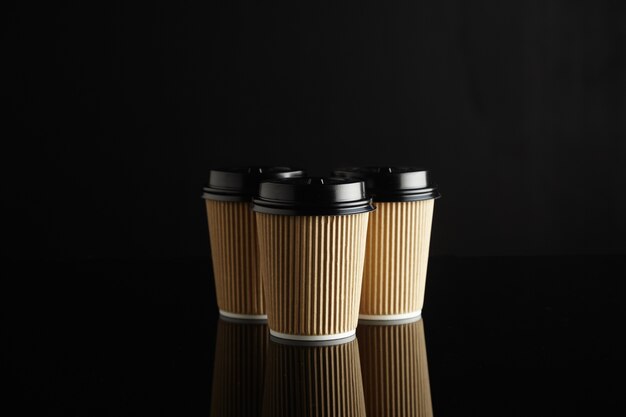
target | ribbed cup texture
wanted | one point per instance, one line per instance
(320, 381)
(395, 370)
(234, 249)
(238, 369)
(394, 275)
(312, 270)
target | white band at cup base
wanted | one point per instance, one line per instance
(243, 316)
(312, 338)
(391, 317)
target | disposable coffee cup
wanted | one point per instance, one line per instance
(312, 234)
(394, 365)
(313, 381)
(239, 368)
(398, 240)
(232, 233)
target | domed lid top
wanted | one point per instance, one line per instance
(393, 183)
(312, 196)
(241, 184)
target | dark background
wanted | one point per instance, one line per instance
(115, 113)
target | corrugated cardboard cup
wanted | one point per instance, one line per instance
(312, 234)
(398, 241)
(232, 232)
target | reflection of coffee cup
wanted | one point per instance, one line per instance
(238, 368)
(321, 381)
(311, 243)
(232, 231)
(395, 369)
(398, 239)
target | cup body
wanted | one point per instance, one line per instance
(395, 370)
(312, 271)
(394, 274)
(307, 381)
(234, 250)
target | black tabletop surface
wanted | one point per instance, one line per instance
(498, 337)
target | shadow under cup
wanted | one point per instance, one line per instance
(322, 381)
(238, 368)
(395, 369)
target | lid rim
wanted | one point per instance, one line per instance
(312, 196)
(207, 195)
(391, 197)
(311, 211)
(241, 184)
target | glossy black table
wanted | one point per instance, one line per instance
(498, 337)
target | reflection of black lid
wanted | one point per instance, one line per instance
(241, 184)
(307, 196)
(393, 183)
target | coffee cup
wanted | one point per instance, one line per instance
(398, 240)
(312, 234)
(233, 238)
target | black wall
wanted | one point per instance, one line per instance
(116, 112)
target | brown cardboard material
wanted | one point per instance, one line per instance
(312, 269)
(394, 275)
(234, 250)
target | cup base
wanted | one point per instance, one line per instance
(392, 317)
(303, 343)
(313, 338)
(237, 316)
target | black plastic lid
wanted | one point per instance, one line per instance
(241, 184)
(309, 196)
(393, 183)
